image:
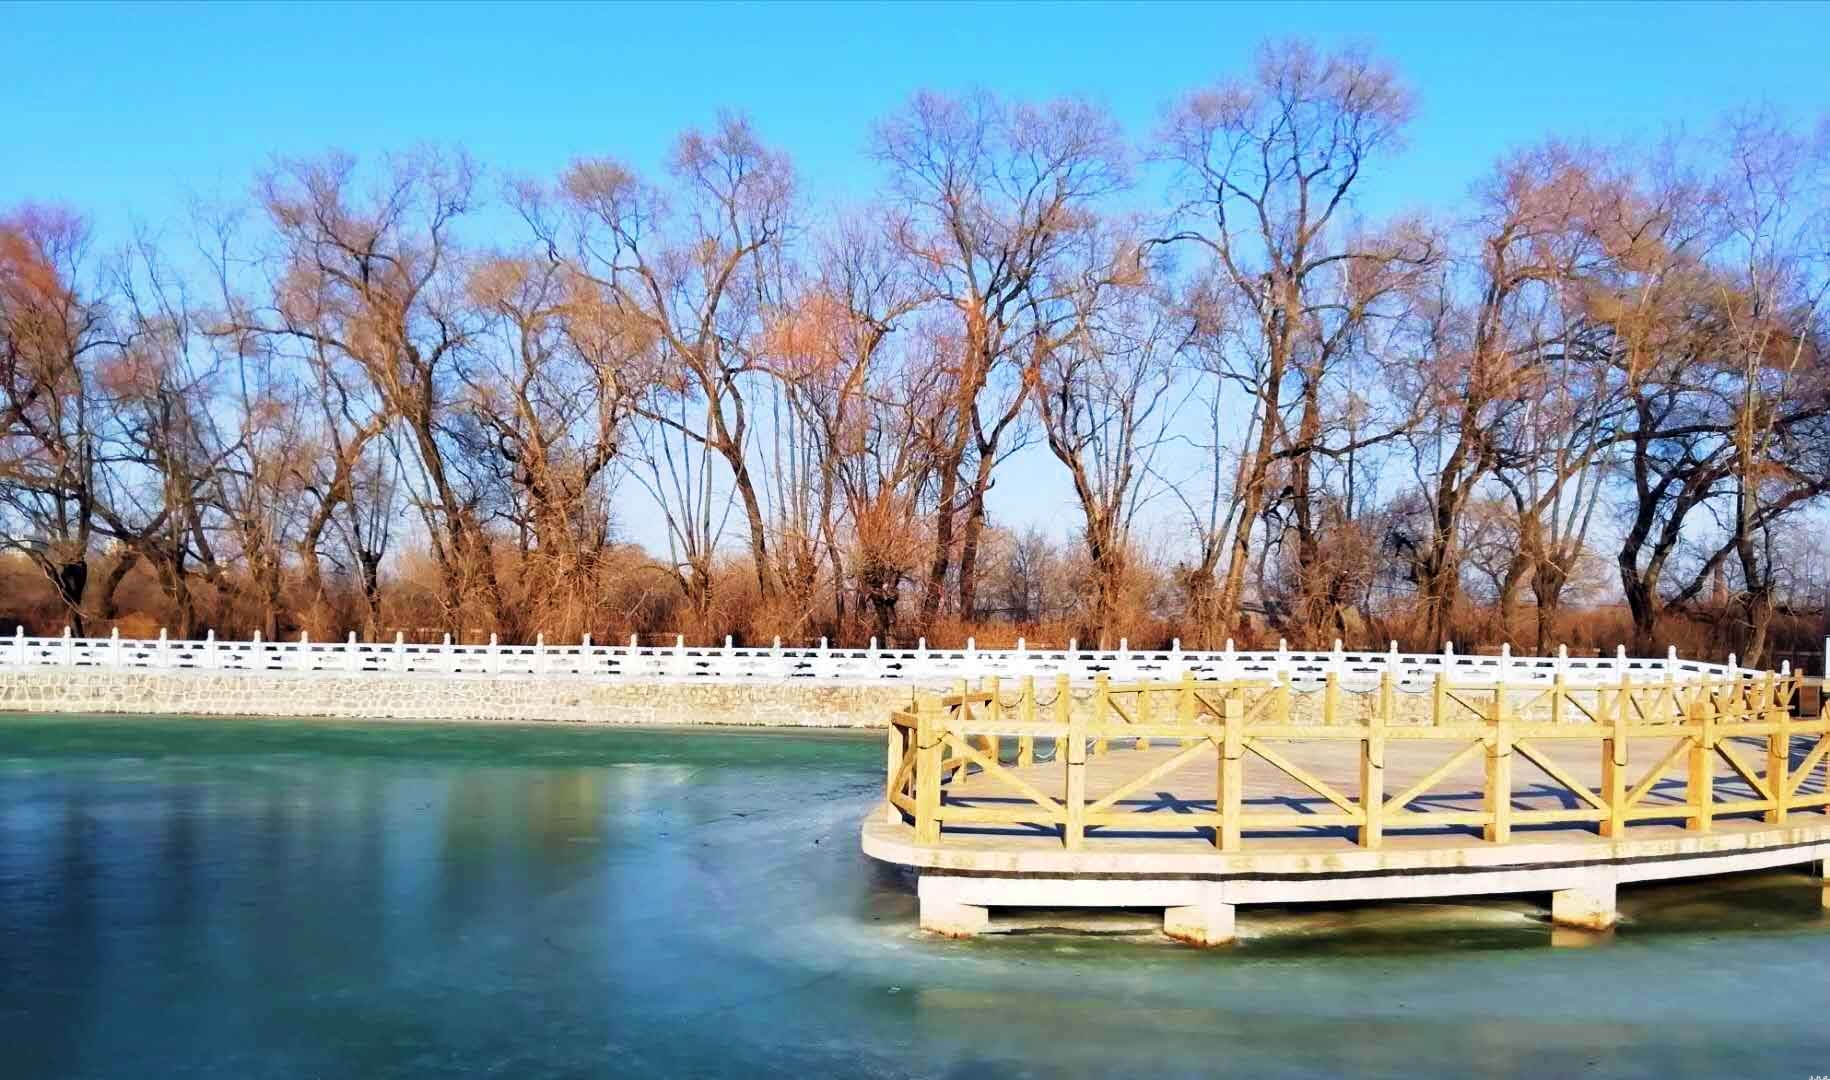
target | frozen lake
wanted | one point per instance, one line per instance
(275, 898)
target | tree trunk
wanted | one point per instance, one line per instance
(71, 579)
(969, 551)
(1516, 572)
(943, 548)
(1547, 584)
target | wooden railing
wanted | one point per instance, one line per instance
(1001, 739)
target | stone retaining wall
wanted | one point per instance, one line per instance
(446, 697)
(570, 698)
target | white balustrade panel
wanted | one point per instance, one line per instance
(1354, 670)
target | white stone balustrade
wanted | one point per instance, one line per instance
(871, 665)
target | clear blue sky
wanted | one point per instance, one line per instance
(122, 111)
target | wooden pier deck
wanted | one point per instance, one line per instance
(1204, 795)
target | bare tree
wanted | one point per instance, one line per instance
(52, 335)
(1265, 168)
(548, 385)
(998, 196)
(1105, 397)
(700, 273)
(375, 279)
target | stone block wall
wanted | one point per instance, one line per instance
(446, 697)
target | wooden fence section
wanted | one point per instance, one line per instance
(1015, 744)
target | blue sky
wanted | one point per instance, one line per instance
(126, 111)
(121, 110)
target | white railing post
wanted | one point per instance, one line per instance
(680, 655)
(972, 659)
(211, 659)
(257, 655)
(629, 656)
(1562, 660)
(114, 647)
(539, 663)
(1283, 658)
(19, 645)
(352, 657)
(728, 661)
(1620, 658)
(400, 650)
(165, 655)
(824, 667)
(1671, 659)
(777, 662)
(584, 655)
(70, 647)
(1076, 671)
(1022, 658)
(875, 661)
(1392, 662)
(1448, 659)
(453, 660)
(1229, 661)
(304, 651)
(492, 660)
(921, 658)
(1505, 661)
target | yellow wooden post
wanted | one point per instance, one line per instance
(1102, 700)
(1075, 830)
(1145, 713)
(1778, 750)
(892, 813)
(1026, 743)
(962, 715)
(1614, 759)
(1331, 699)
(1498, 794)
(1701, 788)
(1439, 698)
(1185, 700)
(1064, 707)
(928, 728)
(1230, 797)
(993, 745)
(1372, 766)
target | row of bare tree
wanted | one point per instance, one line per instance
(404, 384)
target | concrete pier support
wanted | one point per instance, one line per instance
(942, 911)
(1207, 922)
(1589, 906)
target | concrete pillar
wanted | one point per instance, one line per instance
(943, 913)
(1589, 906)
(1207, 922)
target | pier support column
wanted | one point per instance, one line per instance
(1589, 906)
(943, 913)
(1207, 922)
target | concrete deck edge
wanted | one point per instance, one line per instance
(1433, 868)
